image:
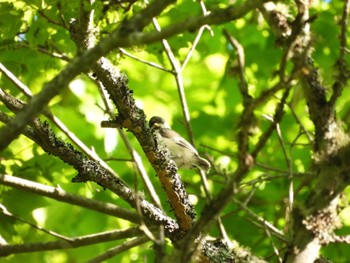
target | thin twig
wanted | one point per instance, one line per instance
(243, 85)
(141, 169)
(50, 232)
(251, 194)
(19, 84)
(193, 46)
(277, 118)
(151, 64)
(50, 20)
(24, 44)
(289, 162)
(198, 37)
(263, 179)
(75, 242)
(179, 82)
(278, 233)
(275, 249)
(119, 249)
(302, 127)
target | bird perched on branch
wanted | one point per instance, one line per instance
(181, 151)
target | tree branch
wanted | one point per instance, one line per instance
(49, 232)
(119, 249)
(75, 242)
(59, 194)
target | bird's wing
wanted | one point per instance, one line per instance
(177, 138)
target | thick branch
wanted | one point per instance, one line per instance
(134, 119)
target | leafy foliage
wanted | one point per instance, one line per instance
(36, 44)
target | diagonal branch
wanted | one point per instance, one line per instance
(59, 194)
(74, 242)
(134, 119)
(7, 213)
(179, 82)
(119, 249)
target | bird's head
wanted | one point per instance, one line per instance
(157, 122)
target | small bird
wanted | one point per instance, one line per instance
(181, 151)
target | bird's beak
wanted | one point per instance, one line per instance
(156, 126)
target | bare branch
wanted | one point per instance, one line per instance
(264, 224)
(74, 242)
(23, 88)
(179, 82)
(151, 64)
(119, 249)
(52, 233)
(59, 194)
(52, 21)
